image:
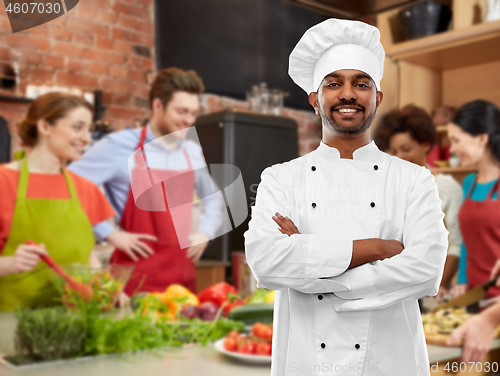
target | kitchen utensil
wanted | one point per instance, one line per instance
(425, 18)
(470, 297)
(81, 288)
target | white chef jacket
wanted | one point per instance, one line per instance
(330, 320)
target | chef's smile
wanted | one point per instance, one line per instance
(347, 112)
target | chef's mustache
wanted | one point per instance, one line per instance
(347, 103)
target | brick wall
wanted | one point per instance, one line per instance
(107, 45)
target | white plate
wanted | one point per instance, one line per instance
(255, 359)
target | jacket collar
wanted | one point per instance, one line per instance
(364, 153)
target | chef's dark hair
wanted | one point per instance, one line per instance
(410, 119)
(170, 80)
(49, 107)
(481, 117)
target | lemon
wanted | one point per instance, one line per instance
(269, 298)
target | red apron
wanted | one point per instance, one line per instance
(480, 227)
(169, 264)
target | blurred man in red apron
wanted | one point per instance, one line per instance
(165, 170)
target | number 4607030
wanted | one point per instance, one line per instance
(34, 8)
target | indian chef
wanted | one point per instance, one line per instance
(348, 236)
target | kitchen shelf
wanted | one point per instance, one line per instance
(12, 98)
(454, 49)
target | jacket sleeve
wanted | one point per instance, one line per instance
(454, 193)
(417, 270)
(300, 262)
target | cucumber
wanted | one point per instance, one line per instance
(252, 313)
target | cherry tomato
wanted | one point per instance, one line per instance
(247, 347)
(233, 334)
(230, 344)
(267, 333)
(264, 348)
(257, 329)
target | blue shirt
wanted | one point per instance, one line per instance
(480, 193)
(106, 164)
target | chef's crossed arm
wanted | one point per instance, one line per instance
(304, 262)
(300, 261)
(415, 272)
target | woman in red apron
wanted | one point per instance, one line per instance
(475, 139)
(171, 225)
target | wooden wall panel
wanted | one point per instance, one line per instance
(467, 13)
(420, 86)
(470, 83)
(390, 88)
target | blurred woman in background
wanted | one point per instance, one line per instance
(43, 202)
(410, 134)
(475, 138)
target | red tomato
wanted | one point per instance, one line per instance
(257, 329)
(267, 333)
(264, 348)
(233, 334)
(230, 344)
(247, 347)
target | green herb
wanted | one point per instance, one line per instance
(48, 334)
(61, 333)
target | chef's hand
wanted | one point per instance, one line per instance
(26, 257)
(477, 334)
(286, 224)
(131, 243)
(458, 290)
(199, 241)
(496, 271)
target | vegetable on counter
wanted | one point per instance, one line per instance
(261, 296)
(61, 333)
(253, 313)
(222, 295)
(258, 343)
(169, 305)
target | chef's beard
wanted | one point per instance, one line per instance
(351, 130)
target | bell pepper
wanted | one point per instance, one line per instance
(217, 294)
(222, 295)
(180, 296)
(155, 303)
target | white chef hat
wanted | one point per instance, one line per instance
(333, 45)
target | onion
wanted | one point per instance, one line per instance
(208, 311)
(190, 312)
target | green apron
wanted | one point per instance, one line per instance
(62, 226)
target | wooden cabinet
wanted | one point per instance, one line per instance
(210, 272)
(449, 68)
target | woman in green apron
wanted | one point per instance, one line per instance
(43, 202)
